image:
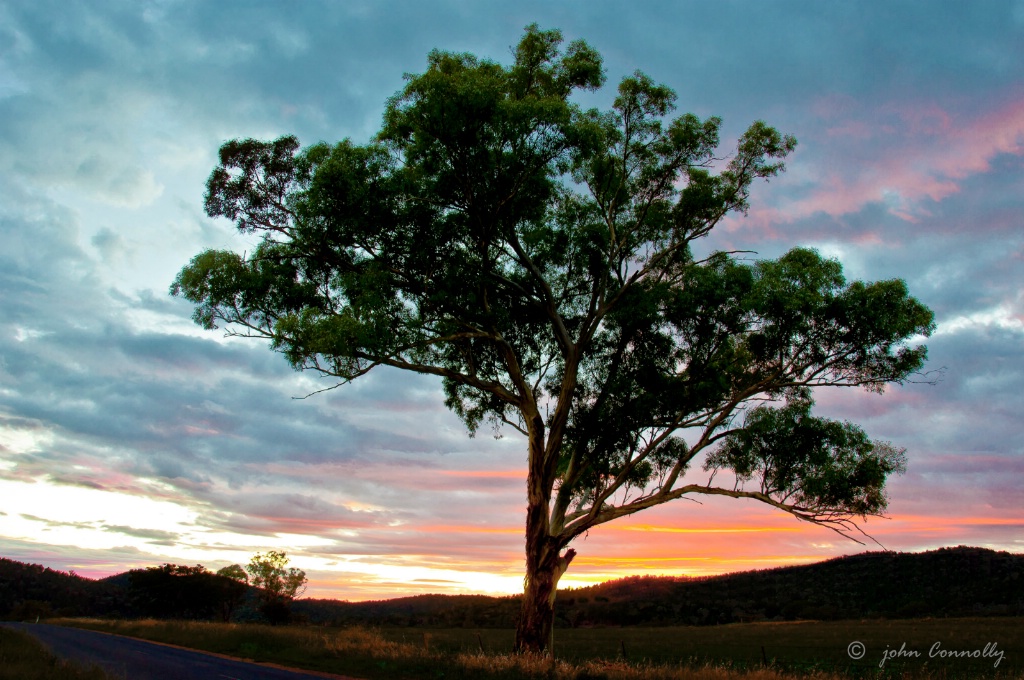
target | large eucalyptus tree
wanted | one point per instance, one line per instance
(537, 258)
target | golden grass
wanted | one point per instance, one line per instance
(421, 654)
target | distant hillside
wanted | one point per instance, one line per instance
(947, 582)
(30, 590)
(437, 611)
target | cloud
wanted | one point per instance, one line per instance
(52, 523)
(266, 512)
(165, 537)
(91, 564)
(903, 156)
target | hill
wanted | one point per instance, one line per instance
(958, 581)
(947, 582)
(30, 590)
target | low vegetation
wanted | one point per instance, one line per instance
(22, 657)
(761, 651)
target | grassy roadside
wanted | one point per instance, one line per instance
(733, 652)
(368, 654)
(22, 657)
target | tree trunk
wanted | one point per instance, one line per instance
(535, 631)
(544, 564)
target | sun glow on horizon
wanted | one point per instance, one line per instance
(118, 528)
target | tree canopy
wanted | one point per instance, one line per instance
(276, 584)
(235, 572)
(182, 592)
(271, 573)
(537, 257)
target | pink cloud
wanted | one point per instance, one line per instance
(414, 476)
(902, 155)
(487, 474)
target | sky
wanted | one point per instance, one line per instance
(130, 437)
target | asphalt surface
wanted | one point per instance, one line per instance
(124, 657)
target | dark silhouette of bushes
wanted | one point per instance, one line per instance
(30, 590)
(172, 591)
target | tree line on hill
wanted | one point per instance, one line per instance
(947, 582)
(958, 581)
(262, 590)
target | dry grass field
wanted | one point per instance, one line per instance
(756, 651)
(800, 645)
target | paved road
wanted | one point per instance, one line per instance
(133, 659)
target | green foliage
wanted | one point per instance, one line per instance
(270, 573)
(234, 571)
(815, 463)
(276, 583)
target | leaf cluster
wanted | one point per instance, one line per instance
(820, 465)
(271, 575)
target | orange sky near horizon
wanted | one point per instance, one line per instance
(461, 531)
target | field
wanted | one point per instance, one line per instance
(795, 645)
(23, 658)
(754, 651)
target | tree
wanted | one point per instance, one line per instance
(235, 572)
(235, 582)
(183, 592)
(277, 584)
(537, 258)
